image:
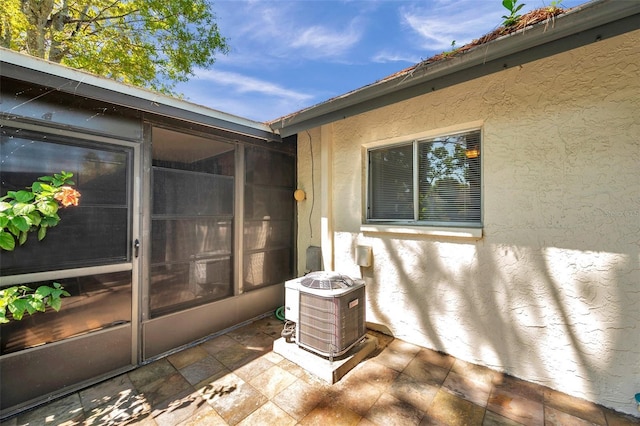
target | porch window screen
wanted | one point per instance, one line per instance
(95, 233)
(92, 234)
(192, 222)
(268, 217)
(433, 181)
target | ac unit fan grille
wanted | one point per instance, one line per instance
(331, 325)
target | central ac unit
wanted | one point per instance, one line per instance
(329, 311)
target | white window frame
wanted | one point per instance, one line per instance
(413, 228)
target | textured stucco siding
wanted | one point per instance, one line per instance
(551, 291)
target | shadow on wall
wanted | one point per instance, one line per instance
(550, 320)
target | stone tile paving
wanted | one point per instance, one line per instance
(236, 379)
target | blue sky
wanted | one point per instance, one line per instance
(288, 55)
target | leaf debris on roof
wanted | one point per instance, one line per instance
(527, 20)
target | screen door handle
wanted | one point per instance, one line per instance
(136, 248)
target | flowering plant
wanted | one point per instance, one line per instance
(37, 209)
(21, 212)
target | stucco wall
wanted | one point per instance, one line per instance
(550, 292)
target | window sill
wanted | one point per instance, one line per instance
(427, 231)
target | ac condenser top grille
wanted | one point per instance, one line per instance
(326, 281)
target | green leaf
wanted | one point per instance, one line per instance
(39, 305)
(23, 238)
(7, 242)
(24, 288)
(45, 178)
(24, 196)
(13, 229)
(18, 314)
(58, 286)
(66, 176)
(50, 221)
(34, 305)
(20, 223)
(18, 307)
(4, 206)
(35, 218)
(43, 187)
(23, 209)
(42, 232)
(44, 290)
(8, 293)
(58, 179)
(55, 304)
(48, 208)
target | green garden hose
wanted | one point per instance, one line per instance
(280, 313)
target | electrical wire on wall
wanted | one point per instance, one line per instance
(313, 186)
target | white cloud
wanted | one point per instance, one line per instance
(266, 30)
(437, 27)
(326, 42)
(243, 84)
(386, 56)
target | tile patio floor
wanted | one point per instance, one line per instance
(236, 379)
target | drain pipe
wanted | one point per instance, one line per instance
(326, 197)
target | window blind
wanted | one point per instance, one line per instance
(391, 183)
(448, 190)
(449, 172)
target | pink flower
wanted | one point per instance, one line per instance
(67, 196)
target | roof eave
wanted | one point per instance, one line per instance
(44, 73)
(587, 24)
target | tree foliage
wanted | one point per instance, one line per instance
(149, 43)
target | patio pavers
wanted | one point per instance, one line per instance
(516, 407)
(235, 379)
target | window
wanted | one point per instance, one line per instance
(434, 181)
